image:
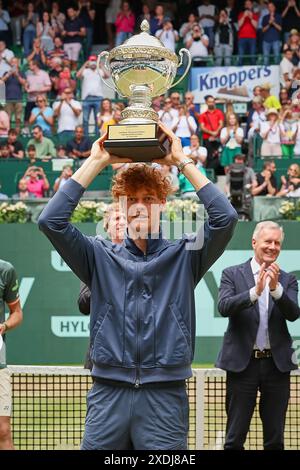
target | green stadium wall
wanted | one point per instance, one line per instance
(53, 330)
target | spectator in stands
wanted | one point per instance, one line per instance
(55, 67)
(16, 149)
(190, 105)
(67, 111)
(64, 80)
(195, 151)
(270, 133)
(297, 142)
(57, 51)
(44, 147)
(42, 115)
(125, 23)
(57, 18)
(6, 54)
(145, 15)
(37, 54)
(231, 138)
(63, 178)
(29, 22)
(184, 126)
(87, 13)
(37, 182)
(14, 81)
(270, 101)
(73, 34)
(293, 43)
(286, 69)
(4, 24)
(284, 99)
(168, 35)
(91, 91)
(105, 113)
(4, 151)
(45, 32)
(16, 10)
(110, 19)
(37, 82)
(167, 115)
(291, 182)
(175, 98)
(211, 122)
(247, 32)
(271, 34)
(197, 44)
(80, 146)
(186, 28)
(266, 184)
(23, 192)
(156, 22)
(290, 18)
(257, 90)
(288, 130)
(224, 39)
(4, 122)
(31, 153)
(295, 87)
(255, 117)
(116, 118)
(61, 151)
(207, 13)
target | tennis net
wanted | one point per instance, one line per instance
(49, 405)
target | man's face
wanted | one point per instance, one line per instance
(175, 98)
(271, 8)
(58, 43)
(12, 138)
(116, 225)
(267, 246)
(71, 13)
(143, 212)
(272, 168)
(31, 154)
(23, 185)
(37, 134)
(289, 55)
(210, 103)
(2, 46)
(5, 152)
(79, 133)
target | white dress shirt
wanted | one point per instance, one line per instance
(263, 299)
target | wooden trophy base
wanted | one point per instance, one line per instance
(139, 142)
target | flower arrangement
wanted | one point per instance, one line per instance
(14, 213)
(182, 208)
(290, 210)
(89, 211)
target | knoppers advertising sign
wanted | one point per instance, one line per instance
(232, 83)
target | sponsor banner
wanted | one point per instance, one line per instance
(232, 83)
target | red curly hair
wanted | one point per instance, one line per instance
(140, 175)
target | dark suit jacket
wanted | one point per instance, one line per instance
(234, 303)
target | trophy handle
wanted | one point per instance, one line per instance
(104, 54)
(181, 53)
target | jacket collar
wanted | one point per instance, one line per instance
(154, 242)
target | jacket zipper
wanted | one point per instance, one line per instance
(138, 327)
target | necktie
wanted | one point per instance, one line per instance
(263, 304)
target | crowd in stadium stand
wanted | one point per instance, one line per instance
(55, 105)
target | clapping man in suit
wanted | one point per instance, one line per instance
(258, 298)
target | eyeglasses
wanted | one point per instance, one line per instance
(40, 101)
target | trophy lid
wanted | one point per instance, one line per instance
(141, 44)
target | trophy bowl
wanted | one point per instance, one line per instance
(140, 69)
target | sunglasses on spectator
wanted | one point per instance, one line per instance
(40, 101)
